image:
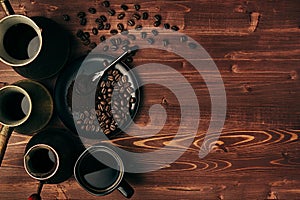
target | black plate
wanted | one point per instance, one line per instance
(54, 53)
(64, 88)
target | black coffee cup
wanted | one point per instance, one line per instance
(100, 170)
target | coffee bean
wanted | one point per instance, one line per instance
(192, 45)
(81, 14)
(124, 79)
(92, 10)
(138, 27)
(98, 21)
(125, 48)
(101, 26)
(83, 21)
(145, 16)
(114, 47)
(157, 17)
(154, 32)
(105, 64)
(125, 32)
(121, 15)
(124, 7)
(111, 78)
(167, 26)
(114, 31)
(86, 34)
(137, 7)
(87, 42)
(120, 26)
(131, 22)
(95, 31)
(107, 131)
(143, 35)
(113, 41)
(79, 122)
(131, 37)
(129, 90)
(111, 12)
(125, 42)
(150, 41)
(183, 39)
(79, 33)
(102, 38)
(156, 23)
(136, 16)
(66, 17)
(105, 48)
(107, 26)
(117, 78)
(106, 4)
(165, 42)
(118, 41)
(93, 45)
(103, 18)
(175, 28)
(112, 127)
(108, 84)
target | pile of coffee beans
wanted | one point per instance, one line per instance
(111, 111)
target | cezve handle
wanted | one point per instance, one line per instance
(5, 134)
(6, 6)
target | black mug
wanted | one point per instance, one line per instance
(100, 170)
(50, 155)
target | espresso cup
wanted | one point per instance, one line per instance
(20, 38)
(100, 170)
(50, 155)
(26, 107)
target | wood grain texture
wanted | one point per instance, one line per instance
(255, 45)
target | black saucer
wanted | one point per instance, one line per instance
(54, 53)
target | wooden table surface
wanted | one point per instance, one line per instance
(258, 153)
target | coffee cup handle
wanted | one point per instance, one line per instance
(6, 6)
(5, 134)
(125, 189)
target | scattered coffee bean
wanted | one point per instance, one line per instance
(167, 26)
(81, 14)
(136, 16)
(183, 39)
(66, 17)
(145, 16)
(79, 33)
(121, 15)
(93, 45)
(150, 41)
(106, 4)
(175, 28)
(143, 35)
(83, 21)
(131, 37)
(107, 26)
(156, 23)
(101, 26)
(131, 22)
(95, 31)
(87, 35)
(137, 7)
(92, 10)
(125, 32)
(118, 41)
(120, 26)
(192, 45)
(157, 17)
(114, 47)
(103, 18)
(125, 42)
(105, 48)
(154, 32)
(114, 31)
(124, 7)
(165, 42)
(113, 41)
(86, 42)
(138, 27)
(102, 38)
(111, 12)
(98, 21)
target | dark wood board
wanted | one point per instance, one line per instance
(258, 152)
